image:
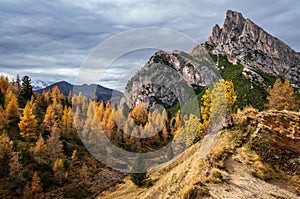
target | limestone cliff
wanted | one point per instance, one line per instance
(248, 43)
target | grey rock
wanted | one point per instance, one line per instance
(254, 47)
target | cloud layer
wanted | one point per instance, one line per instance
(49, 39)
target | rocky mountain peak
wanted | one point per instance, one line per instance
(251, 45)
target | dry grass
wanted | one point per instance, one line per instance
(242, 115)
(215, 176)
(258, 169)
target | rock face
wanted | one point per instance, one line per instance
(246, 42)
(167, 78)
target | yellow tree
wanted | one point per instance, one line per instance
(4, 84)
(56, 95)
(59, 171)
(282, 96)
(49, 119)
(140, 114)
(28, 124)
(36, 186)
(206, 107)
(217, 104)
(12, 111)
(66, 122)
(111, 121)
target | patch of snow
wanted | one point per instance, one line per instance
(39, 84)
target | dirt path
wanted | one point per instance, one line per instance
(243, 185)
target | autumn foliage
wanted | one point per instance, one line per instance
(282, 96)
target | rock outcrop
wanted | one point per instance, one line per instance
(167, 78)
(249, 44)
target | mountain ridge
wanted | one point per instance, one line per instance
(92, 91)
(252, 46)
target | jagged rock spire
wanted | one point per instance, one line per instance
(254, 47)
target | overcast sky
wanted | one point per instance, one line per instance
(49, 39)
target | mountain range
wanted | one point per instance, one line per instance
(92, 91)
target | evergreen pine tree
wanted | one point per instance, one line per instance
(26, 91)
(170, 153)
(138, 173)
(2, 99)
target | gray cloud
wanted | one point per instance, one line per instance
(50, 39)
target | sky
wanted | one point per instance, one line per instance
(50, 39)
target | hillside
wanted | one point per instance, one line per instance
(258, 155)
(236, 167)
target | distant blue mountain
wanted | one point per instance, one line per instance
(92, 91)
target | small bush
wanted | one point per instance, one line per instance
(149, 183)
(215, 176)
(197, 192)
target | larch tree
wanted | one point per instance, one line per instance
(54, 145)
(12, 111)
(56, 95)
(49, 119)
(217, 105)
(282, 96)
(111, 121)
(40, 151)
(28, 124)
(16, 172)
(67, 122)
(140, 114)
(6, 147)
(84, 173)
(27, 191)
(59, 171)
(3, 120)
(89, 119)
(4, 84)
(36, 186)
